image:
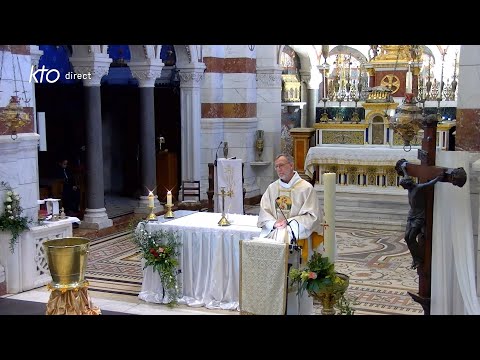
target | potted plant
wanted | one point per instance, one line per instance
(323, 283)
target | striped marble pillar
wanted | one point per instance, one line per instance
(468, 103)
(229, 105)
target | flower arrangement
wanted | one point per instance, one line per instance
(320, 280)
(11, 219)
(160, 249)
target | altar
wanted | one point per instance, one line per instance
(209, 259)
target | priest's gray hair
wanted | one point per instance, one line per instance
(286, 156)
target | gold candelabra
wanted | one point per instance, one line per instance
(224, 221)
(169, 214)
(151, 205)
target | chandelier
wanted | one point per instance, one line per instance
(13, 116)
(407, 120)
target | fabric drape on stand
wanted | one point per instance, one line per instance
(152, 287)
(453, 289)
(229, 176)
(71, 302)
(263, 277)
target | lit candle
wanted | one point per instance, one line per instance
(169, 198)
(151, 199)
(330, 244)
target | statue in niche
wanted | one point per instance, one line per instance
(259, 144)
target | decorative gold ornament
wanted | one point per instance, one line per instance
(407, 120)
(391, 82)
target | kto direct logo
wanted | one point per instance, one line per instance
(52, 75)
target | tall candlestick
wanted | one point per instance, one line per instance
(169, 197)
(329, 180)
(151, 199)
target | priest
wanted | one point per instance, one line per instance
(289, 207)
(289, 213)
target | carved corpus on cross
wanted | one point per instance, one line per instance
(425, 172)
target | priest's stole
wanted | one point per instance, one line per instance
(263, 277)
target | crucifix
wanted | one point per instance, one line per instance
(427, 174)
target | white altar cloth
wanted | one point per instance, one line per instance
(378, 156)
(209, 259)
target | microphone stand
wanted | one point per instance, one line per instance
(294, 239)
(216, 153)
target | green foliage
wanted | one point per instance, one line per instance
(160, 249)
(319, 276)
(11, 219)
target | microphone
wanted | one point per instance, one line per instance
(294, 239)
(216, 153)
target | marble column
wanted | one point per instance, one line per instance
(475, 201)
(191, 77)
(35, 54)
(146, 75)
(269, 95)
(311, 79)
(468, 103)
(95, 68)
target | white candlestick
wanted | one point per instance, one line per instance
(169, 198)
(409, 82)
(151, 199)
(329, 200)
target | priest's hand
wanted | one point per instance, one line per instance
(280, 224)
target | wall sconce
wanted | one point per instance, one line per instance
(251, 47)
(407, 121)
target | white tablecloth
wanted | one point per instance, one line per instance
(209, 259)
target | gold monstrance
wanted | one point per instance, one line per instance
(223, 221)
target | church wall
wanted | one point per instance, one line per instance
(229, 107)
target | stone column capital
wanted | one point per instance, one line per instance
(146, 72)
(93, 68)
(192, 75)
(311, 78)
(269, 77)
(35, 54)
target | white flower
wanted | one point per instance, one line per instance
(9, 199)
(9, 211)
(17, 197)
(11, 217)
(9, 207)
(9, 193)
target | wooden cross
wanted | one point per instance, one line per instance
(425, 172)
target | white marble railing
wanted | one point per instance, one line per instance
(26, 268)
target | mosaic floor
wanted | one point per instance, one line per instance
(377, 262)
